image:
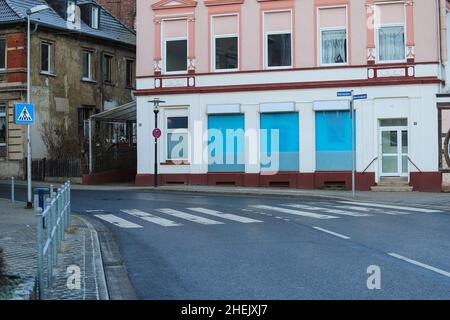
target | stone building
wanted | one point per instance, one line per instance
(82, 62)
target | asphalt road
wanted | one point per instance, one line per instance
(175, 247)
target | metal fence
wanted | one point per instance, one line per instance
(46, 168)
(115, 160)
(52, 222)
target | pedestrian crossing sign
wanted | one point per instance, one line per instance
(24, 113)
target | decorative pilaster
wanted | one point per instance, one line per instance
(371, 51)
(410, 43)
(157, 44)
(191, 37)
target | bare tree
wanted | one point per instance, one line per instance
(60, 140)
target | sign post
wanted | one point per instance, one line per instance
(24, 114)
(353, 97)
(156, 134)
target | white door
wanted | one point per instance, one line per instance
(394, 151)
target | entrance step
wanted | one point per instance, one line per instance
(391, 189)
(393, 184)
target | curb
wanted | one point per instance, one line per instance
(103, 292)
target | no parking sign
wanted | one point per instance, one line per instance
(156, 133)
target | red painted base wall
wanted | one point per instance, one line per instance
(295, 180)
(426, 181)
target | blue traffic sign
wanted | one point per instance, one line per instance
(344, 94)
(24, 113)
(360, 97)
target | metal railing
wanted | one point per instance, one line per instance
(51, 225)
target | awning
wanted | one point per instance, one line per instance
(126, 112)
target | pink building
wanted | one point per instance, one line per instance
(250, 90)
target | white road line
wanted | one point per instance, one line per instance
(376, 210)
(228, 216)
(332, 233)
(151, 218)
(188, 216)
(122, 223)
(327, 210)
(420, 264)
(90, 211)
(355, 208)
(365, 204)
(294, 212)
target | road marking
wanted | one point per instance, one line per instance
(294, 212)
(328, 210)
(122, 223)
(377, 210)
(355, 208)
(420, 264)
(188, 216)
(332, 233)
(228, 216)
(390, 207)
(151, 218)
(90, 211)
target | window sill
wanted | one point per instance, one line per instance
(47, 74)
(88, 80)
(110, 84)
(175, 163)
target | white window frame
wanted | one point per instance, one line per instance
(4, 115)
(50, 57)
(164, 41)
(379, 25)
(265, 37)
(6, 52)
(169, 113)
(224, 36)
(90, 52)
(95, 17)
(320, 30)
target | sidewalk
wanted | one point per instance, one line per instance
(80, 248)
(401, 198)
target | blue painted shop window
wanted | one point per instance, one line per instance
(333, 140)
(279, 141)
(226, 143)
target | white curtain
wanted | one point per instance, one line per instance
(391, 42)
(334, 47)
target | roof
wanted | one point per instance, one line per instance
(13, 11)
(126, 112)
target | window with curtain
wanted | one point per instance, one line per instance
(391, 43)
(175, 45)
(225, 32)
(279, 50)
(277, 38)
(334, 46)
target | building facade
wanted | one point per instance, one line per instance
(251, 91)
(81, 64)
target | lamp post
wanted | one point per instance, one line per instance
(30, 12)
(156, 103)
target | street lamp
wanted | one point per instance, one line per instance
(30, 12)
(156, 103)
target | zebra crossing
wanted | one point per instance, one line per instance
(170, 217)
